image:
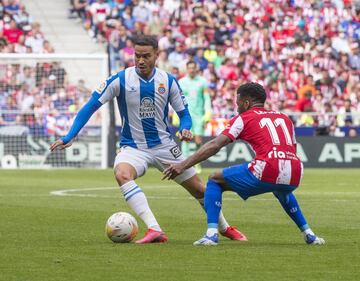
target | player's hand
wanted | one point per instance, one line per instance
(173, 171)
(59, 144)
(185, 135)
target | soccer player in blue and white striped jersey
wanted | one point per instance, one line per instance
(144, 94)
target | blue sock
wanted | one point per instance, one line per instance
(213, 198)
(292, 208)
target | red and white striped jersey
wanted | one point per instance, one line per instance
(271, 136)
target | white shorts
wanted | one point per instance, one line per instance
(157, 156)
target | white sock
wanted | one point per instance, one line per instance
(223, 224)
(211, 232)
(137, 201)
(307, 231)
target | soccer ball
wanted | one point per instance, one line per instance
(121, 227)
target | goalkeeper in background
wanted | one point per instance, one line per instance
(195, 90)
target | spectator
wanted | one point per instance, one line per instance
(19, 46)
(79, 7)
(166, 41)
(309, 86)
(304, 104)
(141, 13)
(354, 59)
(156, 24)
(9, 110)
(23, 19)
(12, 7)
(12, 33)
(128, 19)
(35, 39)
(162, 61)
(177, 57)
(99, 11)
(353, 133)
(200, 60)
(127, 53)
(222, 34)
(345, 114)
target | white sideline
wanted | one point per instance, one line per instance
(71, 193)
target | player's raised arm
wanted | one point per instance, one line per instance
(178, 102)
(105, 92)
(231, 133)
(207, 150)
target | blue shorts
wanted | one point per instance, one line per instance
(244, 183)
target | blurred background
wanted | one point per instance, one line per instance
(54, 53)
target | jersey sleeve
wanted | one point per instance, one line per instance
(235, 128)
(176, 97)
(108, 90)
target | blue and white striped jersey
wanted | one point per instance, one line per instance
(143, 105)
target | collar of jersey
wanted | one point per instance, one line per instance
(148, 80)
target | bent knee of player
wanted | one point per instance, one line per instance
(123, 174)
(216, 177)
(281, 196)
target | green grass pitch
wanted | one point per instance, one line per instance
(46, 237)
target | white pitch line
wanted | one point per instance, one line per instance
(72, 193)
(64, 192)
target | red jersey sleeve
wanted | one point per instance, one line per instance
(235, 128)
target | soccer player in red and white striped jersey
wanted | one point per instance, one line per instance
(275, 168)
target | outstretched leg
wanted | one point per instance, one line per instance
(292, 208)
(196, 188)
(213, 202)
(125, 175)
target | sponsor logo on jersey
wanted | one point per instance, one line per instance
(175, 151)
(147, 108)
(183, 98)
(278, 154)
(101, 87)
(161, 89)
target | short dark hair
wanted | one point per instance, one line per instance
(254, 91)
(191, 62)
(146, 40)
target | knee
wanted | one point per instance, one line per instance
(281, 196)
(123, 176)
(216, 177)
(276, 194)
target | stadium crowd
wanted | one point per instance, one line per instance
(305, 52)
(33, 94)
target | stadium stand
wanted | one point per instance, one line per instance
(37, 96)
(305, 52)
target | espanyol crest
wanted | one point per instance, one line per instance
(161, 89)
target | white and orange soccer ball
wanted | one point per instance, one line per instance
(121, 227)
